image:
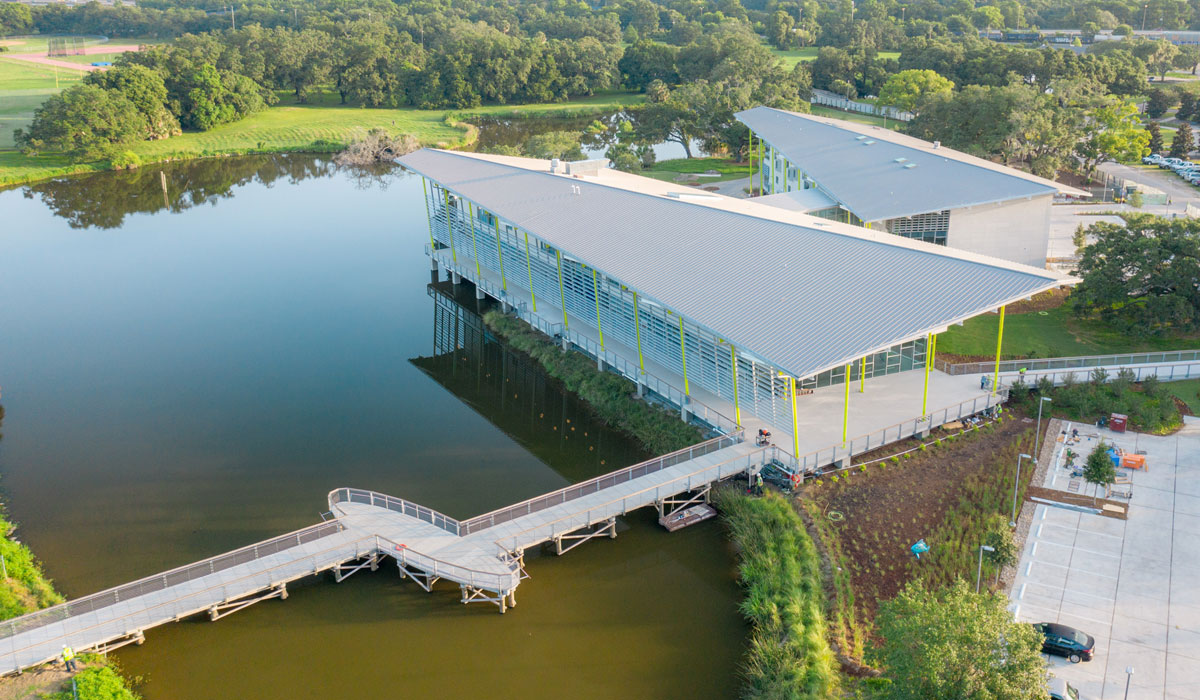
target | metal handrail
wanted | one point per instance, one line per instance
(399, 505)
(748, 458)
(502, 583)
(811, 461)
(584, 488)
(1057, 376)
(167, 579)
(313, 557)
(1080, 361)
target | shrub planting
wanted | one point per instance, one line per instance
(789, 654)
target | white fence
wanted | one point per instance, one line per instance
(829, 99)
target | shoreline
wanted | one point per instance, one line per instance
(437, 128)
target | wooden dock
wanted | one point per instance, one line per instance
(484, 556)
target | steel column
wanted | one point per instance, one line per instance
(450, 226)
(795, 425)
(637, 331)
(999, 345)
(596, 293)
(500, 254)
(474, 242)
(683, 357)
(529, 267)
(846, 407)
(562, 296)
(425, 191)
(737, 404)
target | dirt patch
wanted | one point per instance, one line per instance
(35, 683)
(878, 514)
(1184, 408)
(87, 50)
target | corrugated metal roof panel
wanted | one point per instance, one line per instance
(874, 182)
(805, 298)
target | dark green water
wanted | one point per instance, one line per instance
(183, 376)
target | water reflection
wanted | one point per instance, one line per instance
(104, 200)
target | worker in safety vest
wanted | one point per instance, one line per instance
(68, 657)
(758, 483)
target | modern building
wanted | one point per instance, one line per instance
(701, 299)
(883, 180)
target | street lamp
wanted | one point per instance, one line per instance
(1037, 440)
(1128, 677)
(1144, 8)
(1017, 485)
(979, 570)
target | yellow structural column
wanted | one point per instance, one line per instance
(862, 375)
(687, 391)
(999, 345)
(500, 255)
(928, 365)
(474, 242)
(425, 192)
(846, 407)
(450, 227)
(737, 403)
(529, 266)
(795, 425)
(596, 293)
(562, 295)
(637, 333)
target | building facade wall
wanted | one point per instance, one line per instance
(1017, 230)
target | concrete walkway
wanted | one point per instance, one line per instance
(1132, 584)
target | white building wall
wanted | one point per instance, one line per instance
(1017, 230)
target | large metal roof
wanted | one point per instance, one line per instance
(879, 174)
(802, 293)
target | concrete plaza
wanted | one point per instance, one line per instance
(1132, 584)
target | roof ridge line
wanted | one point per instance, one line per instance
(826, 226)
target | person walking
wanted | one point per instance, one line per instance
(758, 483)
(68, 657)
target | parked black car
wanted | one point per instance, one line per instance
(1066, 641)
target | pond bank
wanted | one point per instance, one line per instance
(309, 129)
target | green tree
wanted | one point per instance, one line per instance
(1182, 144)
(555, 144)
(15, 18)
(1187, 58)
(831, 64)
(988, 17)
(84, 122)
(1112, 132)
(907, 89)
(1187, 105)
(954, 643)
(647, 61)
(1099, 468)
(144, 87)
(1155, 144)
(1142, 274)
(1159, 102)
(779, 29)
(1122, 30)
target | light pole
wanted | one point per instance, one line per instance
(1128, 677)
(1037, 440)
(1144, 8)
(979, 569)
(1017, 485)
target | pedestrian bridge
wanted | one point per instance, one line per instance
(484, 555)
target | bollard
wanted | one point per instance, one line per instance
(456, 278)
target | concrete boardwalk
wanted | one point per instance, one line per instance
(1132, 584)
(482, 555)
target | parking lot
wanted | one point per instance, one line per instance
(1132, 584)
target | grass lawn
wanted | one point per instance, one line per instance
(668, 170)
(791, 57)
(1188, 391)
(88, 59)
(23, 88)
(319, 127)
(1056, 334)
(823, 111)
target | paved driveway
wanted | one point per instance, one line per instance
(1133, 584)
